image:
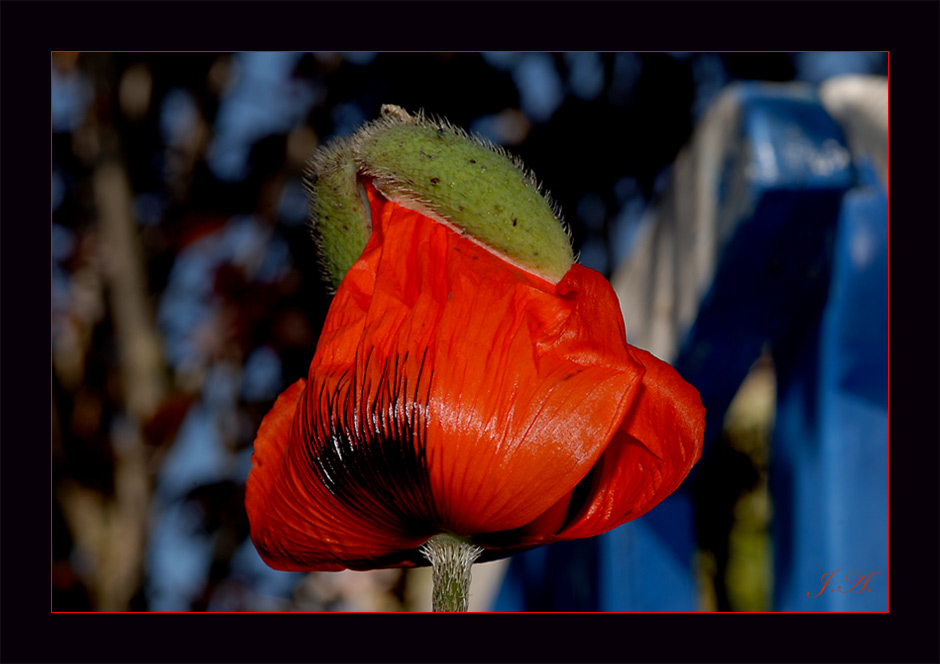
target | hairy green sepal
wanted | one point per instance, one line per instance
(342, 223)
(439, 170)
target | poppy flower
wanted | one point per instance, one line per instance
(453, 390)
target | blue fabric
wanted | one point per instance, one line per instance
(830, 479)
(803, 267)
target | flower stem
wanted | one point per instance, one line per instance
(451, 558)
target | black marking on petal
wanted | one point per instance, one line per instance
(580, 495)
(367, 444)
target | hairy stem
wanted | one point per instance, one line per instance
(451, 559)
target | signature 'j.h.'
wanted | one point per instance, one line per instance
(855, 582)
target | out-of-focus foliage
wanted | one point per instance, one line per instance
(186, 293)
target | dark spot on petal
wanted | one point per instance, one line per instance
(373, 459)
(580, 495)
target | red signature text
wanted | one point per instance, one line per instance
(855, 582)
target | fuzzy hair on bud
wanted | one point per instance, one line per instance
(430, 166)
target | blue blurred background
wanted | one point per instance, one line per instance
(738, 202)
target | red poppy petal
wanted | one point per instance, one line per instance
(542, 385)
(547, 524)
(269, 447)
(296, 524)
(266, 461)
(529, 380)
(452, 391)
(649, 457)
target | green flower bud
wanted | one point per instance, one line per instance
(439, 170)
(338, 209)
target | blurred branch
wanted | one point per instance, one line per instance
(114, 528)
(142, 374)
(138, 342)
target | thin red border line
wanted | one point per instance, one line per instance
(51, 368)
(888, 332)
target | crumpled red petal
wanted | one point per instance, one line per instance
(649, 457)
(651, 454)
(451, 391)
(296, 523)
